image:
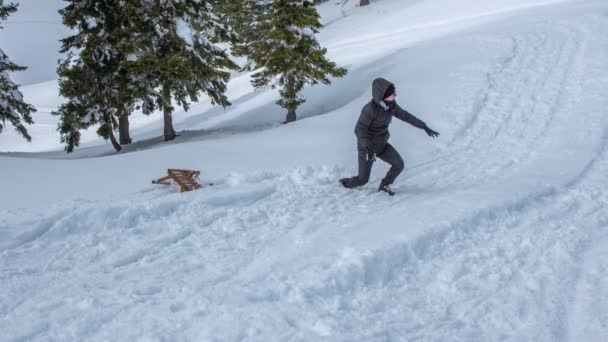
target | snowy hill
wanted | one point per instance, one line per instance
(499, 230)
(31, 37)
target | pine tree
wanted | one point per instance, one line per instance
(95, 76)
(248, 22)
(181, 59)
(291, 56)
(12, 107)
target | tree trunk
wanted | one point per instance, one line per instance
(113, 140)
(291, 116)
(291, 99)
(364, 3)
(169, 132)
(123, 129)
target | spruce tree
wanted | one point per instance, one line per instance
(95, 76)
(290, 55)
(181, 59)
(248, 23)
(12, 107)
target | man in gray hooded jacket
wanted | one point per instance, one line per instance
(372, 135)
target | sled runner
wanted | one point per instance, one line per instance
(186, 179)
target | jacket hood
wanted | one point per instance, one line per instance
(379, 87)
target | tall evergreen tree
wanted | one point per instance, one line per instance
(291, 56)
(248, 23)
(181, 59)
(12, 107)
(95, 76)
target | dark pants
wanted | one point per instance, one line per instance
(387, 154)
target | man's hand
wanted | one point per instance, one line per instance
(430, 132)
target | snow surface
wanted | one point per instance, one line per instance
(499, 230)
(31, 37)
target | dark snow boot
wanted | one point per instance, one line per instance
(344, 182)
(386, 188)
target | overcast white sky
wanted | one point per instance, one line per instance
(31, 38)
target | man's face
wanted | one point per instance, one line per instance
(392, 97)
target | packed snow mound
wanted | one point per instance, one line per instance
(498, 231)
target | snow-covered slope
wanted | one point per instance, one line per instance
(31, 37)
(499, 230)
(366, 40)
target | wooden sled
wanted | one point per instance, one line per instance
(186, 179)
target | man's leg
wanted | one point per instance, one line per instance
(391, 156)
(365, 169)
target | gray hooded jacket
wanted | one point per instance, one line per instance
(372, 127)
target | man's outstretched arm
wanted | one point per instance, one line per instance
(406, 116)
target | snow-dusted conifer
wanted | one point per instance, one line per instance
(95, 77)
(12, 107)
(290, 55)
(181, 59)
(248, 23)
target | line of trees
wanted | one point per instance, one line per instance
(153, 55)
